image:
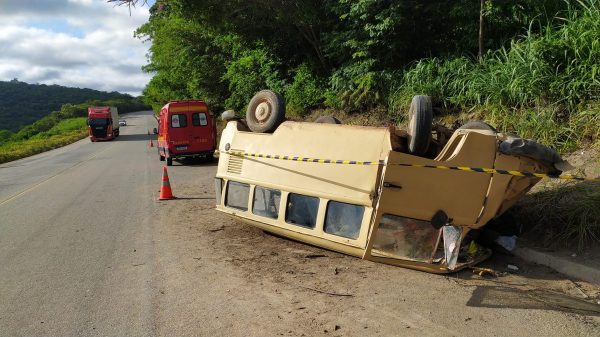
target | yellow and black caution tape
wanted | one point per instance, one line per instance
(382, 162)
(500, 171)
(304, 159)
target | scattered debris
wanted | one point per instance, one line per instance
(579, 290)
(212, 230)
(314, 256)
(335, 271)
(507, 242)
(487, 271)
(327, 293)
(512, 267)
(138, 264)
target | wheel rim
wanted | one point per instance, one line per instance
(262, 112)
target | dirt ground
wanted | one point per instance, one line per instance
(219, 276)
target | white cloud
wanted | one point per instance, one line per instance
(79, 43)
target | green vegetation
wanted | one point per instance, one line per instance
(57, 129)
(22, 103)
(61, 134)
(538, 75)
(564, 213)
(224, 51)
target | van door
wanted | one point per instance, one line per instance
(202, 135)
(178, 134)
(411, 195)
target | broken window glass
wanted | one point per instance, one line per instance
(406, 238)
(302, 210)
(343, 219)
(237, 195)
(452, 236)
(266, 202)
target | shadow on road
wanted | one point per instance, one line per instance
(134, 137)
(197, 162)
(508, 297)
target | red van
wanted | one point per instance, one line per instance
(186, 129)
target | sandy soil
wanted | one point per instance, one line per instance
(218, 276)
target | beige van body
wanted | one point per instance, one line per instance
(388, 202)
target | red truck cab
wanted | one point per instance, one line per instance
(186, 129)
(103, 123)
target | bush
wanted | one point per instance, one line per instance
(357, 86)
(306, 92)
(253, 70)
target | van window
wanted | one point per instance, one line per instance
(302, 210)
(266, 202)
(406, 238)
(237, 195)
(199, 119)
(178, 121)
(343, 219)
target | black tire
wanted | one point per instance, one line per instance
(170, 161)
(266, 111)
(210, 158)
(328, 120)
(478, 125)
(419, 126)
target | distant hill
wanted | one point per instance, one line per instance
(22, 103)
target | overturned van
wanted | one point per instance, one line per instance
(377, 193)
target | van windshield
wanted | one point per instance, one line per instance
(98, 121)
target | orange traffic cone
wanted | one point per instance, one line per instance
(165, 189)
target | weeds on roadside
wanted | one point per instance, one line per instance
(564, 213)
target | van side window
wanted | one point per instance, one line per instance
(237, 195)
(199, 119)
(343, 219)
(302, 210)
(178, 121)
(266, 202)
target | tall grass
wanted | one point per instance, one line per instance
(564, 213)
(546, 79)
(65, 132)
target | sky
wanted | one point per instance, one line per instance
(74, 43)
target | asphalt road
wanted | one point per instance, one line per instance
(85, 249)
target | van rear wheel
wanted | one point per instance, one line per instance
(266, 111)
(419, 126)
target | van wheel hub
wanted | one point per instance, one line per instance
(262, 112)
